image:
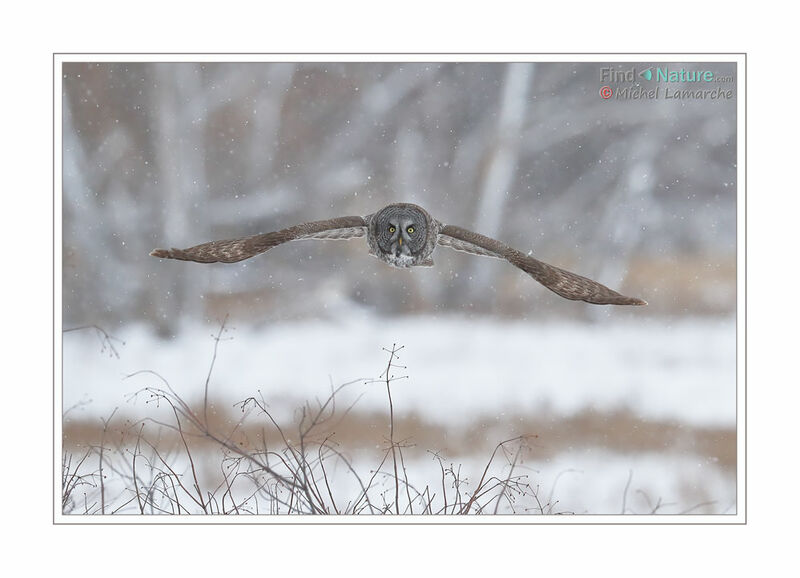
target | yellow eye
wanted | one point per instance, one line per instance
(392, 229)
(410, 230)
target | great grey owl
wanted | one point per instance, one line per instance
(405, 235)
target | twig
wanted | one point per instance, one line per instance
(211, 369)
(625, 491)
(392, 356)
(102, 442)
(106, 340)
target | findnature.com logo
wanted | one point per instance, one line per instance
(664, 77)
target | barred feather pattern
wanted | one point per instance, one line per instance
(234, 250)
(564, 283)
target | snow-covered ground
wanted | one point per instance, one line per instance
(457, 368)
(579, 482)
(460, 370)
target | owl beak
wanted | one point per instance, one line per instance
(400, 240)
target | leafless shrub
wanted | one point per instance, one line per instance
(162, 464)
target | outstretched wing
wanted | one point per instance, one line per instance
(234, 250)
(566, 284)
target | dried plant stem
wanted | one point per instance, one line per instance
(392, 355)
(102, 476)
(211, 369)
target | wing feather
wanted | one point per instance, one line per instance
(466, 247)
(234, 250)
(564, 283)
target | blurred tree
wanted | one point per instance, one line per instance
(176, 153)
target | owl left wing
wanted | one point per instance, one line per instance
(234, 250)
(564, 283)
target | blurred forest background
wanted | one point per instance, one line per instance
(638, 194)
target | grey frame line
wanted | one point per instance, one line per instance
(610, 56)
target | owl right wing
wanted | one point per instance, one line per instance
(564, 283)
(234, 250)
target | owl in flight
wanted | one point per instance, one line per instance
(405, 235)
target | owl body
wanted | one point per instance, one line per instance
(404, 235)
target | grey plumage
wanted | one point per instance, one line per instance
(234, 250)
(564, 283)
(405, 235)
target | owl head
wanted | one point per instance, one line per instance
(401, 232)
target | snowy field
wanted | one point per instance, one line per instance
(457, 368)
(459, 372)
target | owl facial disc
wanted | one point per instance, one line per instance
(402, 235)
